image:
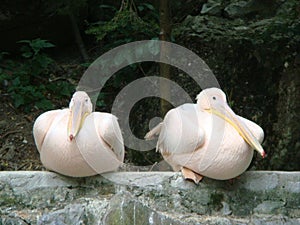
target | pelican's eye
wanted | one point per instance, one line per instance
(214, 98)
(86, 100)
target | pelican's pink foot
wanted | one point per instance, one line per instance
(191, 175)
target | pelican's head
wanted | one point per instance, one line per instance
(213, 100)
(80, 107)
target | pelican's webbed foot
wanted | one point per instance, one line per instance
(191, 175)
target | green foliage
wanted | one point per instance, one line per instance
(36, 62)
(135, 20)
(2, 54)
(22, 89)
(33, 48)
(26, 78)
(127, 25)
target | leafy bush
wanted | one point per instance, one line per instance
(135, 20)
(126, 25)
(27, 85)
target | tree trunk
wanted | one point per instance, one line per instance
(78, 38)
(165, 69)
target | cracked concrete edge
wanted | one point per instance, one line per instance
(251, 180)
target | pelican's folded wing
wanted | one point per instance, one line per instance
(181, 131)
(110, 132)
(42, 125)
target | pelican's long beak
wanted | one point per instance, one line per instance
(225, 112)
(76, 119)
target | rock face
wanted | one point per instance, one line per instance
(253, 44)
(148, 198)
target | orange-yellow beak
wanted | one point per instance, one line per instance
(76, 119)
(224, 111)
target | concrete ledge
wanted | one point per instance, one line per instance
(39, 197)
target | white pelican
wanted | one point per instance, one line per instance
(207, 138)
(78, 142)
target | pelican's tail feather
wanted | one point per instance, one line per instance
(154, 132)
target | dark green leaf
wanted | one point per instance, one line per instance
(44, 104)
(149, 6)
(27, 54)
(107, 7)
(18, 100)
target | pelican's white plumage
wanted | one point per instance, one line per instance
(207, 138)
(78, 142)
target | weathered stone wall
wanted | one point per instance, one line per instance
(148, 198)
